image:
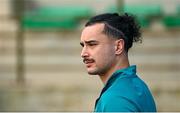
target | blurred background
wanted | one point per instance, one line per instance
(40, 64)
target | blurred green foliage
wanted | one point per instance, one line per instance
(66, 17)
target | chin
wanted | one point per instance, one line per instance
(92, 72)
(96, 71)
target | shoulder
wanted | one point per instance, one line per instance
(114, 102)
(127, 94)
(130, 87)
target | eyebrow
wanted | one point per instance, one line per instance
(89, 42)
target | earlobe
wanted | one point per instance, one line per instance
(119, 46)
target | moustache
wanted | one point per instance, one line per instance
(87, 60)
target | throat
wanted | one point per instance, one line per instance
(105, 77)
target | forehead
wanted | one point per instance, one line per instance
(93, 32)
(98, 28)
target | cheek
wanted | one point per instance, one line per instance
(109, 56)
(109, 51)
(105, 55)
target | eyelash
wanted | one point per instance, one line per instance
(92, 44)
(82, 45)
(88, 45)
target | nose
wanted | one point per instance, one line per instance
(84, 52)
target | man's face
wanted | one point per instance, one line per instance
(98, 50)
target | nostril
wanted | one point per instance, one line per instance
(84, 54)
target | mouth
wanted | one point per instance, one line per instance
(88, 62)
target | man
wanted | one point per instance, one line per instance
(105, 42)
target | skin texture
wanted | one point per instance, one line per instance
(101, 54)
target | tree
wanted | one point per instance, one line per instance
(120, 6)
(18, 12)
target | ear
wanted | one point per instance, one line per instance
(119, 46)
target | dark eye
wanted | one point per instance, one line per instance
(92, 44)
(82, 44)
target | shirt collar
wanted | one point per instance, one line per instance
(125, 72)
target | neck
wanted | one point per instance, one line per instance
(121, 63)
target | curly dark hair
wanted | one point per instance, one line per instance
(119, 26)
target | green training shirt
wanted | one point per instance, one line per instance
(125, 92)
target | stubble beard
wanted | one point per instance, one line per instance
(100, 71)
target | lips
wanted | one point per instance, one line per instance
(88, 61)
